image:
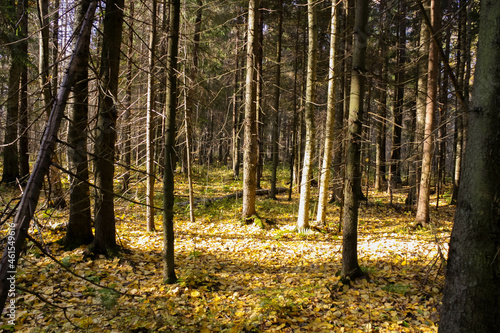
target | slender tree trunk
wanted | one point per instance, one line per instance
(421, 101)
(55, 48)
(330, 119)
(236, 108)
(294, 144)
(24, 167)
(150, 121)
(43, 66)
(422, 217)
(305, 185)
(79, 228)
(380, 139)
(105, 232)
(276, 106)
(126, 155)
(459, 118)
(10, 172)
(169, 275)
(56, 193)
(189, 99)
(395, 168)
(441, 131)
(260, 110)
(471, 301)
(31, 193)
(250, 139)
(352, 189)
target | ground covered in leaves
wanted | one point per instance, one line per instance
(236, 277)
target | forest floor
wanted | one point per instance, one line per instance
(235, 277)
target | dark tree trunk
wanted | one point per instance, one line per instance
(10, 171)
(471, 301)
(79, 228)
(105, 232)
(24, 167)
(150, 122)
(168, 176)
(352, 190)
(395, 169)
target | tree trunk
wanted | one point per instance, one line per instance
(276, 106)
(294, 135)
(10, 173)
(422, 217)
(395, 166)
(330, 119)
(421, 100)
(168, 177)
(29, 200)
(24, 166)
(471, 301)
(459, 118)
(105, 232)
(126, 154)
(56, 192)
(380, 139)
(150, 120)
(352, 189)
(236, 108)
(305, 184)
(79, 228)
(260, 110)
(190, 88)
(250, 148)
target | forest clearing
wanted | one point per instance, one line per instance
(236, 277)
(250, 166)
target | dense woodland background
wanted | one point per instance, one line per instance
(111, 108)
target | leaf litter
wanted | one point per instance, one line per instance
(235, 277)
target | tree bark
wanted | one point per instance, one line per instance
(56, 192)
(250, 148)
(24, 167)
(380, 123)
(471, 301)
(29, 200)
(276, 106)
(169, 275)
(236, 137)
(305, 184)
(126, 154)
(459, 137)
(352, 189)
(330, 119)
(105, 231)
(79, 228)
(395, 166)
(10, 173)
(150, 120)
(421, 101)
(422, 217)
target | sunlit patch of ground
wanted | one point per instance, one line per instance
(240, 278)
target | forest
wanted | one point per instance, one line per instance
(250, 166)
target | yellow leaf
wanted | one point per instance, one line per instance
(195, 293)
